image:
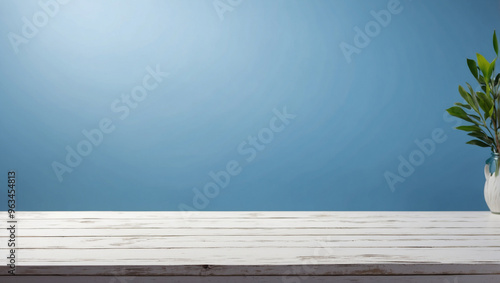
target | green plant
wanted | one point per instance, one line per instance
(483, 107)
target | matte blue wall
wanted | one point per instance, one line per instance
(289, 105)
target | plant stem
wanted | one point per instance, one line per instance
(495, 126)
(496, 136)
(493, 136)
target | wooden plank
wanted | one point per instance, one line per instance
(326, 231)
(260, 279)
(306, 269)
(248, 223)
(159, 242)
(459, 215)
(252, 256)
(274, 244)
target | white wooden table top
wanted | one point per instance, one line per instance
(254, 243)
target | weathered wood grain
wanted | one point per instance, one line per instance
(256, 279)
(340, 241)
(270, 223)
(331, 215)
(236, 246)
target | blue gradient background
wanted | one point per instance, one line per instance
(352, 121)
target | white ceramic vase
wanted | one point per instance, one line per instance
(492, 189)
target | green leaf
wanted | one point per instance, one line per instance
(497, 79)
(463, 105)
(483, 96)
(468, 128)
(475, 117)
(472, 67)
(482, 136)
(470, 88)
(485, 102)
(492, 67)
(484, 107)
(481, 80)
(459, 113)
(465, 95)
(484, 65)
(495, 42)
(474, 98)
(478, 143)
